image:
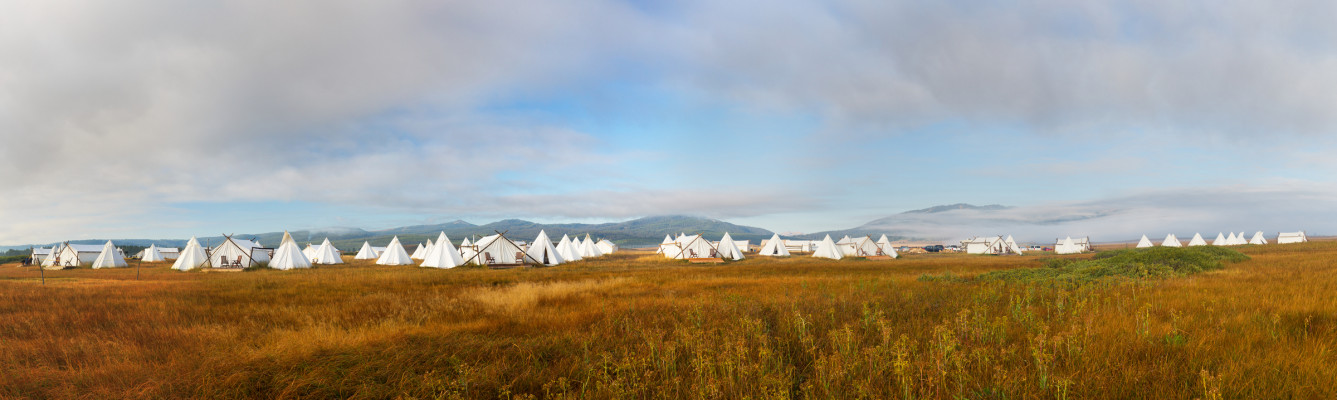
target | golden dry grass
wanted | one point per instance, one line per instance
(635, 325)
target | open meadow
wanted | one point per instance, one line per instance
(633, 325)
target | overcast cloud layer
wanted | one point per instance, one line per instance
(160, 119)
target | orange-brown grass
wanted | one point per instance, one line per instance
(635, 325)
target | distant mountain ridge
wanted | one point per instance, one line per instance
(957, 206)
(647, 231)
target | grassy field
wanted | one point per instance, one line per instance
(634, 325)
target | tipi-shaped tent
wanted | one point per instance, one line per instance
(728, 249)
(1144, 242)
(497, 250)
(192, 257)
(309, 251)
(774, 247)
(1171, 241)
(366, 252)
(1011, 246)
(827, 249)
(1066, 246)
(421, 251)
(1220, 240)
(151, 254)
(588, 249)
(326, 254)
(467, 249)
(885, 246)
(443, 254)
(1231, 239)
(110, 257)
(543, 251)
(287, 256)
(1197, 240)
(568, 249)
(1239, 239)
(1258, 238)
(394, 254)
(667, 240)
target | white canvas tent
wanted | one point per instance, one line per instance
(543, 251)
(73, 255)
(192, 257)
(1258, 238)
(443, 254)
(1144, 242)
(982, 245)
(1239, 239)
(569, 249)
(694, 246)
(801, 245)
(326, 254)
(394, 254)
(421, 251)
(1291, 237)
(588, 249)
(1073, 246)
(1171, 241)
(497, 250)
(1231, 239)
(827, 249)
(667, 240)
(728, 248)
(40, 254)
(886, 247)
(1220, 240)
(607, 246)
(110, 257)
(772, 248)
(990, 245)
(309, 251)
(237, 253)
(151, 254)
(1010, 246)
(1197, 240)
(366, 252)
(467, 249)
(861, 247)
(288, 257)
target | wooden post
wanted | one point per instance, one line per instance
(137, 264)
(43, 272)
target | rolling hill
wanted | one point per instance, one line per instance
(646, 231)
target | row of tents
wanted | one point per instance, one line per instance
(1226, 240)
(696, 247)
(234, 253)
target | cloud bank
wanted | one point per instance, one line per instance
(113, 114)
(1183, 212)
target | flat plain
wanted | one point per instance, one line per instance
(633, 325)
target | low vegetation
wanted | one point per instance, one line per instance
(1124, 264)
(637, 326)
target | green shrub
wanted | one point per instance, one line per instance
(1149, 263)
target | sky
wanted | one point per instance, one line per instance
(167, 119)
